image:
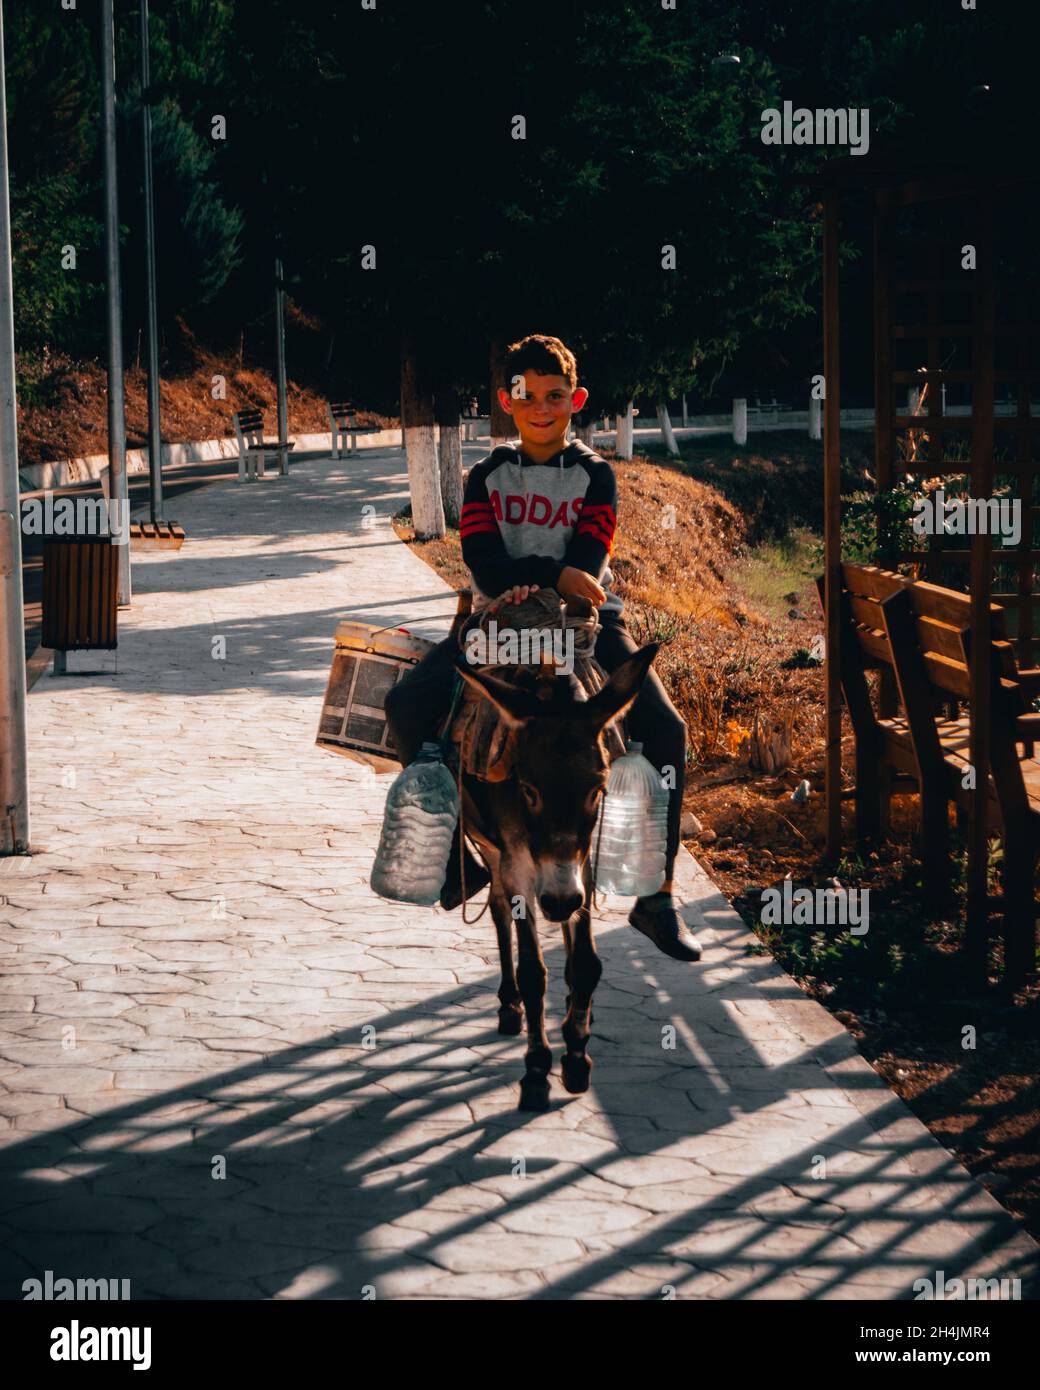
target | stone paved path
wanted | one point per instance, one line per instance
(227, 1070)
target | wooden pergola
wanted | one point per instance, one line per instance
(942, 330)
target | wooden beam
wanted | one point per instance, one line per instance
(832, 521)
(882, 345)
(981, 585)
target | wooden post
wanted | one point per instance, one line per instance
(981, 583)
(832, 522)
(883, 431)
(882, 347)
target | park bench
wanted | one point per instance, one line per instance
(919, 633)
(253, 448)
(471, 425)
(774, 408)
(930, 632)
(344, 427)
(885, 759)
(156, 535)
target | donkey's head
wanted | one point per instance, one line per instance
(560, 766)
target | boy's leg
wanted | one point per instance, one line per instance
(654, 722)
(418, 704)
(416, 707)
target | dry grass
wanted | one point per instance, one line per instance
(67, 417)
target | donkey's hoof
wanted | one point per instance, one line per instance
(534, 1093)
(575, 1070)
(510, 1020)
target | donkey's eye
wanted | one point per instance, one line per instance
(530, 795)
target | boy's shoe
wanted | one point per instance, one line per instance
(477, 876)
(658, 918)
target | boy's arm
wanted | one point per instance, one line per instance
(493, 569)
(593, 538)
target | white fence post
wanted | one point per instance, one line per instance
(624, 441)
(740, 421)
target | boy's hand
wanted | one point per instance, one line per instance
(516, 594)
(576, 583)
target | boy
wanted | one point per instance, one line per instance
(541, 513)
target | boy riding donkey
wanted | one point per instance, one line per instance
(541, 514)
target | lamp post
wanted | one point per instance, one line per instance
(117, 489)
(154, 426)
(14, 762)
(283, 400)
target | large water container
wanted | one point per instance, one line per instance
(632, 833)
(422, 807)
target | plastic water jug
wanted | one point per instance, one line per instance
(422, 807)
(632, 833)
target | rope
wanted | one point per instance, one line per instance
(595, 900)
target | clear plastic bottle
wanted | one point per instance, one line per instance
(422, 807)
(632, 834)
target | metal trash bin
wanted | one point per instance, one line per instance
(80, 579)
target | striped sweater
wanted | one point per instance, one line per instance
(524, 522)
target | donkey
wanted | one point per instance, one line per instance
(534, 831)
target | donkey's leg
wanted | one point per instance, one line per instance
(510, 1012)
(568, 941)
(532, 974)
(585, 970)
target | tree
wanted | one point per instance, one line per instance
(198, 235)
(420, 443)
(52, 135)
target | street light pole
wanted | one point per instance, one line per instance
(283, 399)
(14, 761)
(154, 426)
(117, 489)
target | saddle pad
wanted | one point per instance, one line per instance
(487, 745)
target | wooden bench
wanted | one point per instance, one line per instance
(919, 634)
(471, 424)
(929, 629)
(885, 758)
(253, 448)
(344, 427)
(774, 408)
(156, 535)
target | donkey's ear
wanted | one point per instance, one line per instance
(624, 685)
(515, 706)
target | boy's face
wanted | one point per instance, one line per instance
(543, 413)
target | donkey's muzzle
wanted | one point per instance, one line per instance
(557, 907)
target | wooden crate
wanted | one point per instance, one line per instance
(366, 664)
